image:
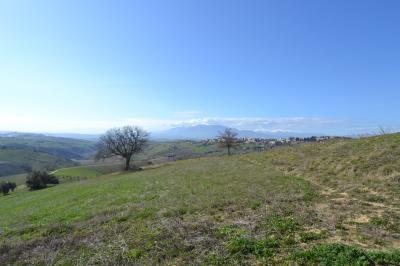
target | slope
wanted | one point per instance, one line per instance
(314, 204)
(17, 161)
(61, 147)
(20, 153)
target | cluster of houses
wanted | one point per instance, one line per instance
(275, 142)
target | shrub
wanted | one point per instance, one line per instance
(38, 180)
(12, 185)
(5, 187)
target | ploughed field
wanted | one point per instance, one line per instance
(332, 203)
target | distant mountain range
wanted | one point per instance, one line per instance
(211, 131)
(89, 137)
(197, 132)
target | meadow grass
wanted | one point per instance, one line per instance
(210, 192)
(89, 171)
(17, 179)
(302, 205)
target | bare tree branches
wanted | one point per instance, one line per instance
(228, 139)
(382, 131)
(124, 142)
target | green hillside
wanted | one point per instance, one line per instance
(18, 179)
(21, 153)
(177, 150)
(89, 171)
(61, 147)
(333, 203)
(16, 161)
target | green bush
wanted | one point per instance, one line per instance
(38, 180)
(5, 187)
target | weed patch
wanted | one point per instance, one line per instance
(312, 236)
(338, 254)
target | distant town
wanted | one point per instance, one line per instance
(268, 143)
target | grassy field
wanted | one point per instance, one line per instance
(17, 179)
(158, 151)
(87, 171)
(334, 203)
(20, 154)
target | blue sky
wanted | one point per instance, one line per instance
(84, 66)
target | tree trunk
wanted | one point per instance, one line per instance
(229, 150)
(127, 163)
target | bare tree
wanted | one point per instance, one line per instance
(382, 131)
(228, 139)
(172, 151)
(124, 142)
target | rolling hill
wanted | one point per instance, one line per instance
(67, 148)
(17, 161)
(20, 153)
(332, 203)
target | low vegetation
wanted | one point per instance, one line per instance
(6, 187)
(89, 171)
(333, 203)
(39, 180)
